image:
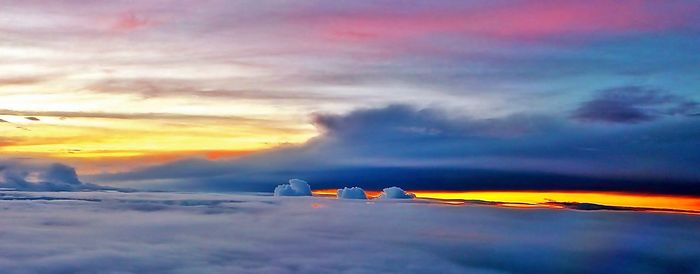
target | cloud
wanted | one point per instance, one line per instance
(17, 175)
(89, 232)
(351, 193)
(61, 174)
(118, 115)
(167, 87)
(415, 148)
(633, 104)
(395, 193)
(130, 21)
(25, 80)
(295, 187)
(526, 20)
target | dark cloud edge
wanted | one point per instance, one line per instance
(439, 179)
(384, 130)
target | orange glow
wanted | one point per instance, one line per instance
(219, 154)
(317, 205)
(544, 199)
(602, 198)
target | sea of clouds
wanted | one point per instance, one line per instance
(150, 232)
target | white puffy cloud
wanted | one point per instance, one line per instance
(295, 187)
(351, 193)
(395, 193)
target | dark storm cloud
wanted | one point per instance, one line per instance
(429, 149)
(633, 104)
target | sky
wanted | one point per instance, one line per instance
(437, 95)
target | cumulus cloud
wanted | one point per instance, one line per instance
(295, 187)
(395, 193)
(351, 193)
(37, 177)
(633, 104)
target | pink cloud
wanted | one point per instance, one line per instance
(525, 20)
(130, 21)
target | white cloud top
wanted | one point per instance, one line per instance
(395, 193)
(351, 193)
(295, 187)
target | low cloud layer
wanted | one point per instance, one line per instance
(90, 232)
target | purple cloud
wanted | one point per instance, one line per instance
(633, 104)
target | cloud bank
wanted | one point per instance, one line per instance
(634, 104)
(89, 232)
(427, 148)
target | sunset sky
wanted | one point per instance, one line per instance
(444, 95)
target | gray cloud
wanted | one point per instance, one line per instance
(167, 87)
(430, 149)
(112, 115)
(18, 175)
(633, 104)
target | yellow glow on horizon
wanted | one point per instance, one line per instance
(603, 198)
(109, 137)
(98, 110)
(534, 198)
